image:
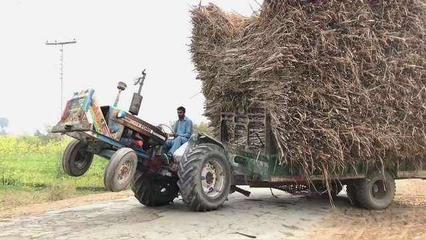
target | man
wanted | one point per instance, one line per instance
(182, 131)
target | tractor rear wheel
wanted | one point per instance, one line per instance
(204, 177)
(76, 160)
(377, 191)
(153, 190)
(120, 170)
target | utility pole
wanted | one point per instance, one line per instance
(61, 63)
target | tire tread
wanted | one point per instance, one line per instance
(189, 167)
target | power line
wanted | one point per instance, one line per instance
(61, 63)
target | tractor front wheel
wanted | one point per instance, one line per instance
(204, 177)
(120, 170)
(76, 160)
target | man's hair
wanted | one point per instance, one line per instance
(181, 109)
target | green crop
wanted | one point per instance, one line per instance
(35, 163)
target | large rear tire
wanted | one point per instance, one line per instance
(120, 170)
(377, 191)
(76, 160)
(154, 190)
(204, 177)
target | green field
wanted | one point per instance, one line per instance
(31, 171)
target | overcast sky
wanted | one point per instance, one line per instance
(116, 40)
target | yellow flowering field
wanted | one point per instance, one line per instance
(33, 164)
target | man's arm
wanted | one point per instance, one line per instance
(174, 128)
(188, 129)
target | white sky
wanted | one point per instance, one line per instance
(116, 40)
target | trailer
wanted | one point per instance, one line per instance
(257, 164)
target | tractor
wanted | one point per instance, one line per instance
(205, 169)
(137, 155)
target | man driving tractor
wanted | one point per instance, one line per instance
(182, 132)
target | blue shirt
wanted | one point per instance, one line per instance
(183, 128)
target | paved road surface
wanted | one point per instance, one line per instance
(261, 216)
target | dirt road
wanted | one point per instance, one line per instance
(404, 219)
(261, 216)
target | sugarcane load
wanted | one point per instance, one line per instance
(341, 83)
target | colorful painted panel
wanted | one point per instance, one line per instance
(83, 113)
(73, 113)
(98, 118)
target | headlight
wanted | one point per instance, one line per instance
(121, 114)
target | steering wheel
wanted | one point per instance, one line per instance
(166, 127)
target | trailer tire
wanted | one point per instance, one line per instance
(154, 190)
(76, 160)
(377, 191)
(120, 170)
(204, 177)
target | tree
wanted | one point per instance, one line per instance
(4, 123)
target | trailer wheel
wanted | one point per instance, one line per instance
(76, 160)
(120, 170)
(153, 190)
(204, 177)
(351, 193)
(376, 191)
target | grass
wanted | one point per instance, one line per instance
(31, 172)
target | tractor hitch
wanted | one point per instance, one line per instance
(240, 190)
